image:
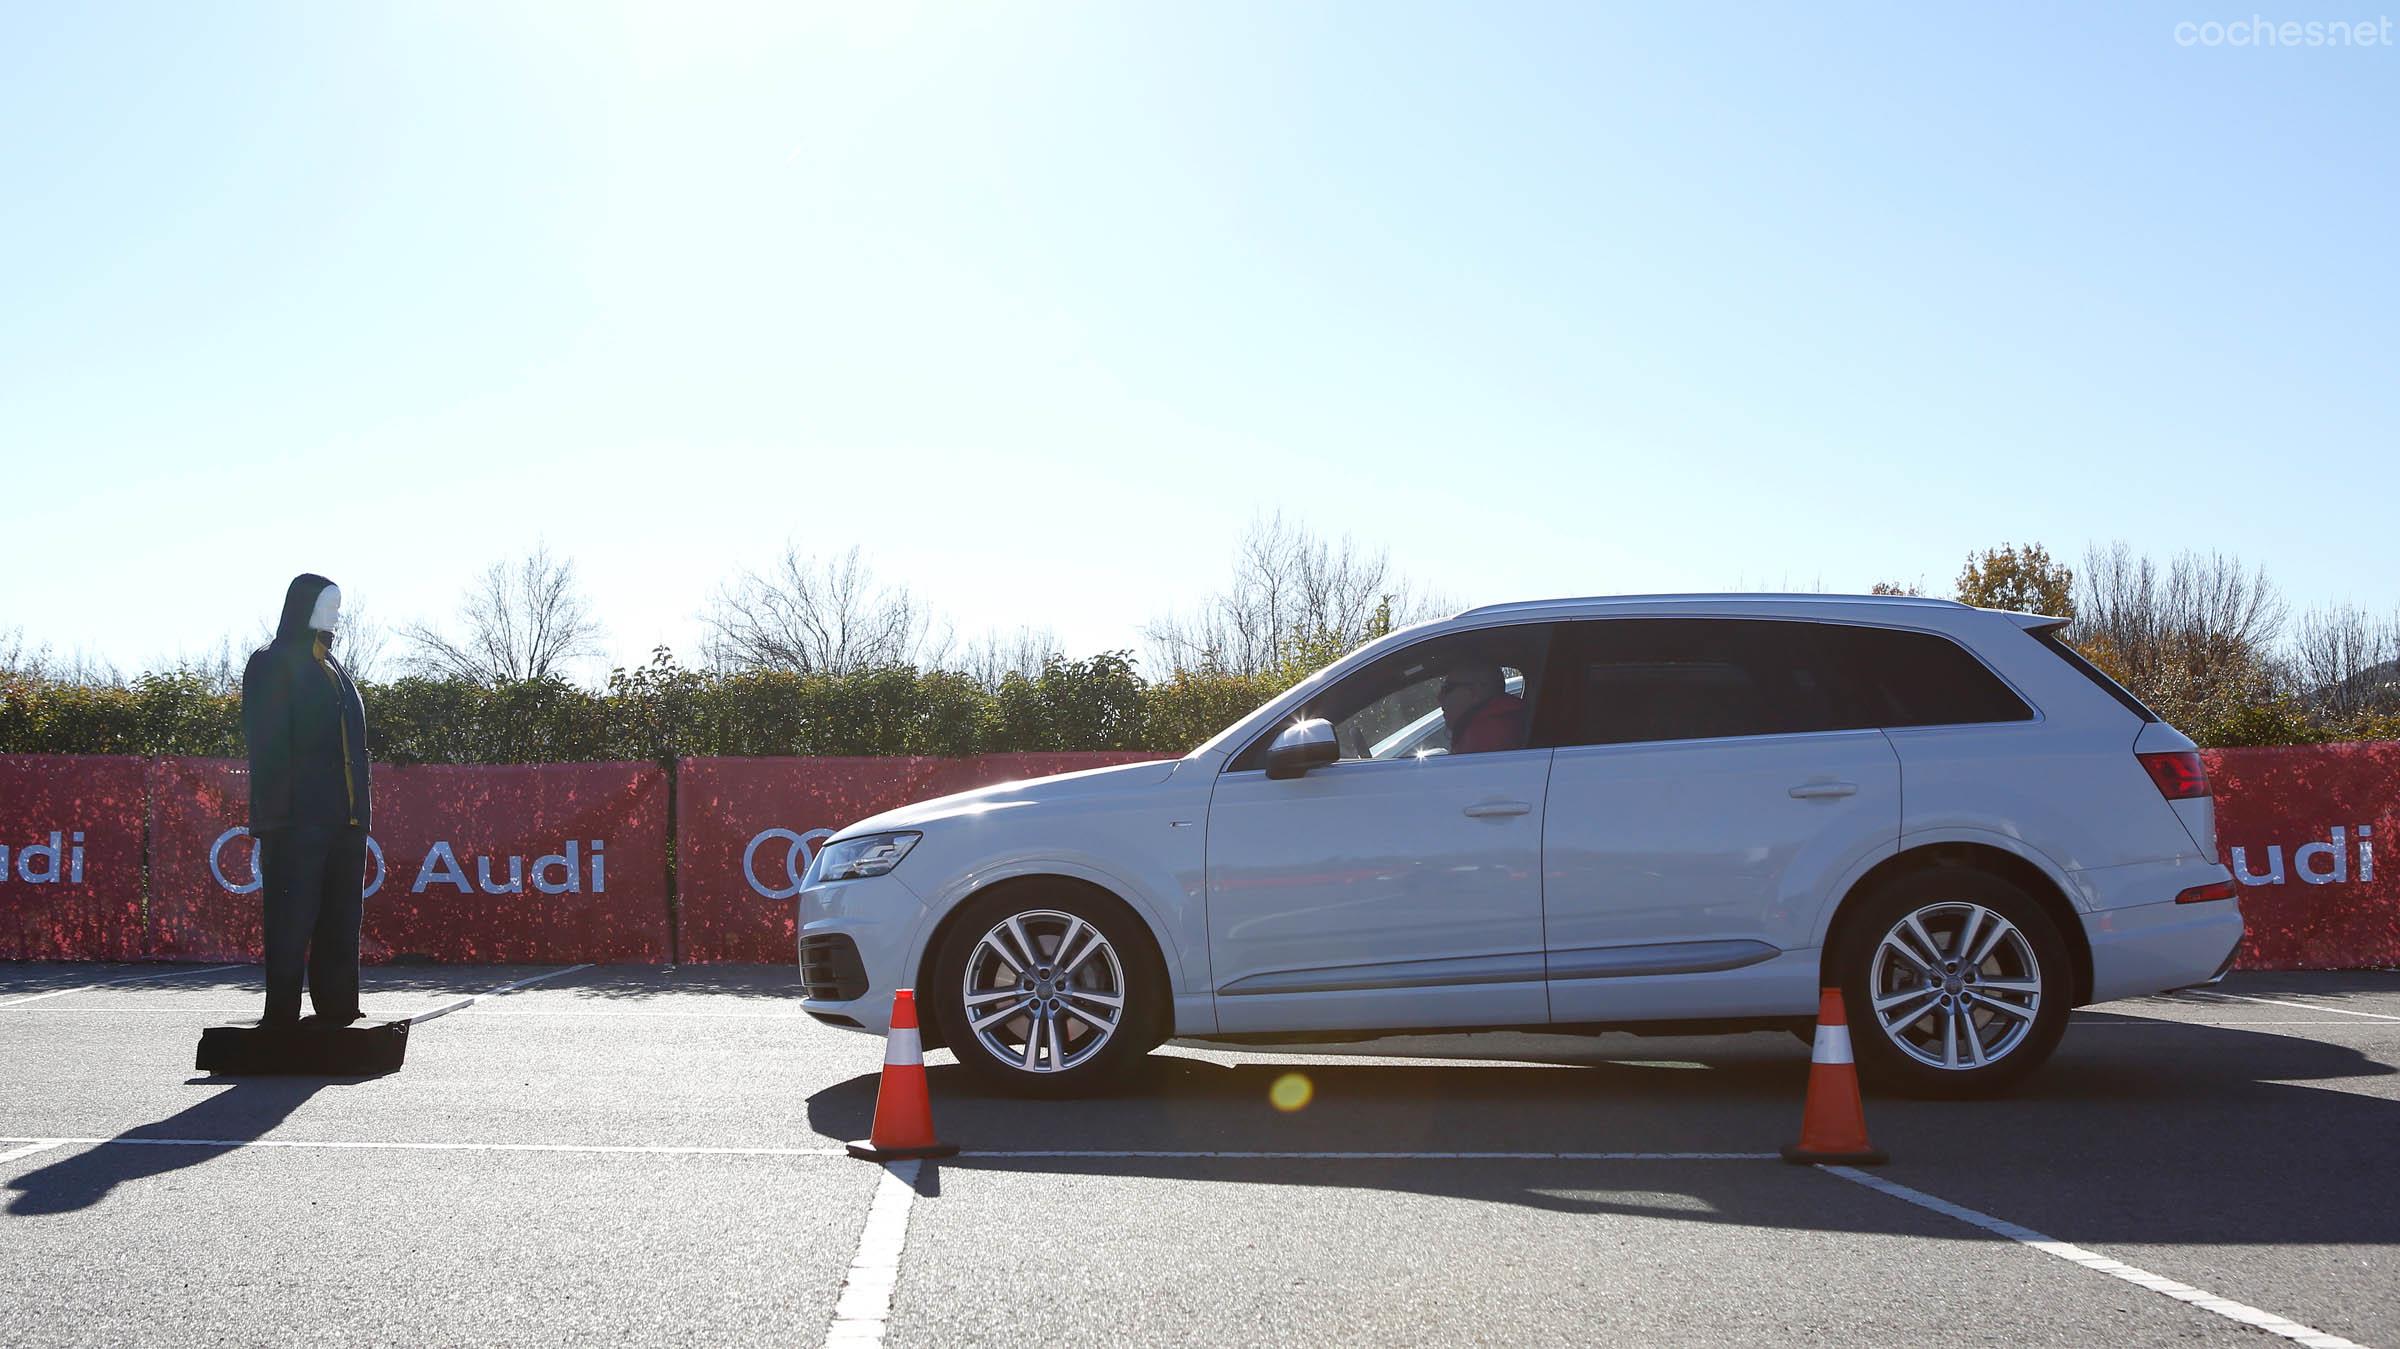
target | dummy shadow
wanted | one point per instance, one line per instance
(244, 1111)
(2147, 1133)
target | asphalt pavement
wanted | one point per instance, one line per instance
(654, 1156)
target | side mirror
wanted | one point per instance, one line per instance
(1301, 746)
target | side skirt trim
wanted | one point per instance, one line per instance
(1514, 968)
(1682, 957)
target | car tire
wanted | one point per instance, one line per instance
(1926, 1018)
(1025, 979)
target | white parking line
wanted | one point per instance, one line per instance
(2305, 1006)
(865, 1306)
(2093, 1260)
(800, 1018)
(247, 1009)
(128, 979)
(30, 1148)
(796, 1017)
(2158, 1023)
(640, 1149)
(472, 999)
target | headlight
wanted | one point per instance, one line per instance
(867, 855)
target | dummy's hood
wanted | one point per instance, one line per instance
(298, 603)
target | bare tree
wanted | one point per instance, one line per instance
(2195, 641)
(1296, 598)
(359, 642)
(18, 659)
(219, 668)
(522, 621)
(37, 663)
(2344, 661)
(813, 616)
(996, 656)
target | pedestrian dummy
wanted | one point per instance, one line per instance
(307, 735)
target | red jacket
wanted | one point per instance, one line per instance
(1498, 724)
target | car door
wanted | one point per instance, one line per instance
(1401, 885)
(1711, 788)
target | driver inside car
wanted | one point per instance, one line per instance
(1482, 714)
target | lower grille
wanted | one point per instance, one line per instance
(830, 968)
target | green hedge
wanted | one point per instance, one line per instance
(661, 710)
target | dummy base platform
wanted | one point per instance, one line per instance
(352, 1051)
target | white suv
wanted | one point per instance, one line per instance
(1658, 813)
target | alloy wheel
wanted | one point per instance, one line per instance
(1955, 986)
(1043, 991)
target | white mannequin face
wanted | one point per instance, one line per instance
(328, 610)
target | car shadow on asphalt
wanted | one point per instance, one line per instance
(2152, 1132)
(242, 1110)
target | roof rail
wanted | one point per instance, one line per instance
(1802, 597)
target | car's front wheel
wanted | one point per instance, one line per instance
(1047, 991)
(1955, 982)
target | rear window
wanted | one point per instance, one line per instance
(1643, 679)
(1907, 678)
(2049, 638)
(1708, 678)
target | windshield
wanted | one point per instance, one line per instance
(1314, 680)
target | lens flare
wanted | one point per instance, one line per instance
(1292, 1091)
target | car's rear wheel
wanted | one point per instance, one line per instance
(1047, 991)
(1955, 982)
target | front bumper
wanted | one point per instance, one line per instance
(855, 943)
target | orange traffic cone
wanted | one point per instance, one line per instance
(1833, 1126)
(903, 1109)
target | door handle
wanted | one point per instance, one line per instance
(1811, 790)
(1489, 809)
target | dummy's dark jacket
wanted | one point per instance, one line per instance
(298, 715)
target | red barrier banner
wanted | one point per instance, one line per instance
(2309, 831)
(71, 856)
(746, 828)
(490, 864)
(565, 862)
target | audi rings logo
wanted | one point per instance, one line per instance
(798, 849)
(216, 863)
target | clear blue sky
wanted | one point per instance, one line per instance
(1041, 303)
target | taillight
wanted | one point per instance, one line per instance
(2202, 894)
(2179, 773)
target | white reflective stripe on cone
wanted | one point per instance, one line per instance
(1833, 1045)
(901, 1048)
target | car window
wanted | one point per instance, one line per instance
(2057, 646)
(1462, 693)
(1921, 679)
(1641, 679)
(1431, 730)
